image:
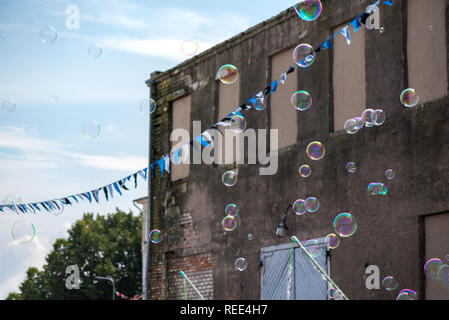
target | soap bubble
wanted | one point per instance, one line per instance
(238, 123)
(332, 241)
(407, 294)
(2, 36)
(232, 210)
(241, 264)
(94, 51)
(308, 10)
(345, 225)
(228, 74)
(229, 178)
(431, 268)
(389, 174)
(315, 150)
(147, 106)
(54, 97)
(9, 201)
(155, 236)
(334, 294)
(9, 105)
(304, 55)
(377, 188)
(250, 236)
(58, 208)
(299, 207)
(359, 124)
(443, 275)
(313, 248)
(409, 98)
(389, 283)
(91, 129)
(305, 171)
(189, 47)
(23, 231)
(312, 204)
(229, 223)
(351, 126)
(301, 100)
(351, 167)
(381, 30)
(48, 34)
(368, 117)
(379, 117)
(259, 104)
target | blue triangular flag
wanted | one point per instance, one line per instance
(160, 163)
(356, 24)
(117, 188)
(74, 198)
(345, 33)
(36, 206)
(143, 173)
(167, 163)
(88, 196)
(110, 190)
(152, 169)
(176, 156)
(327, 44)
(388, 2)
(274, 86)
(95, 194)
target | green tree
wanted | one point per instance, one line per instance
(100, 246)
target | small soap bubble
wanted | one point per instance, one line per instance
(431, 268)
(238, 123)
(229, 178)
(381, 30)
(259, 104)
(351, 167)
(332, 241)
(91, 129)
(377, 188)
(301, 100)
(379, 117)
(250, 236)
(94, 51)
(304, 55)
(308, 10)
(409, 98)
(232, 210)
(23, 231)
(407, 294)
(229, 223)
(351, 126)
(155, 236)
(368, 117)
(431, 27)
(299, 207)
(359, 124)
(312, 204)
(345, 225)
(147, 106)
(241, 264)
(9, 105)
(305, 171)
(228, 74)
(54, 97)
(389, 283)
(313, 248)
(443, 275)
(389, 174)
(48, 34)
(315, 150)
(189, 47)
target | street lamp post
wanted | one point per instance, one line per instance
(109, 278)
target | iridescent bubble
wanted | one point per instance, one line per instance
(299, 207)
(308, 10)
(9, 105)
(155, 236)
(48, 34)
(351, 167)
(312, 204)
(301, 100)
(304, 55)
(407, 294)
(189, 47)
(23, 231)
(351, 126)
(389, 283)
(368, 117)
(377, 188)
(58, 208)
(94, 51)
(409, 98)
(305, 171)
(241, 264)
(259, 104)
(238, 123)
(332, 293)
(91, 129)
(381, 30)
(229, 178)
(54, 97)
(359, 124)
(379, 117)
(229, 223)
(228, 74)
(332, 241)
(147, 106)
(250, 236)
(232, 210)
(389, 174)
(431, 268)
(313, 248)
(443, 275)
(345, 225)
(315, 150)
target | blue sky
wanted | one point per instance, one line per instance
(43, 154)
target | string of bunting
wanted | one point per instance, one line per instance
(204, 139)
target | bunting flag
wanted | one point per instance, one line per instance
(274, 86)
(283, 77)
(356, 24)
(117, 188)
(327, 44)
(95, 195)
(110, 190)
(388, 2)
(167, 163)
(345, 33)
(161, 165)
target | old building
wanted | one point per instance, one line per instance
(397, 232)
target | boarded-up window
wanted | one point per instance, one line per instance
(283, 115)
(348, 77)
(181, 120)
(437, 246)
(228, 101)
(426, 48)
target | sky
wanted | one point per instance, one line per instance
(57, 88)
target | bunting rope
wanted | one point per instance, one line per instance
(204, 139)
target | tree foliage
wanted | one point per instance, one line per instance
(100, 246)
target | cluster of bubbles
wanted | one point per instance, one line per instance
(229, 178)
(315, 150)
(241, 264)
(229, 222)
(345, 225)
(368, 118)
(409, 98)
(305, 171)
(91, 129)
(301, 100)
(377, 188)
(189, 47)
(310, 205)
(238, 123)
(351, 167)
(436, 270)
(155, 236)
(308, 10)
(228, 74)
(304, 55)
(23, 231)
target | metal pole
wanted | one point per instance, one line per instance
(146, 261)
(113, 289)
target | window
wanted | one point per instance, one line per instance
(283, 115)
(307, 283)
(181, 120)
(436, 246)
(348, 77)
(426, 48)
